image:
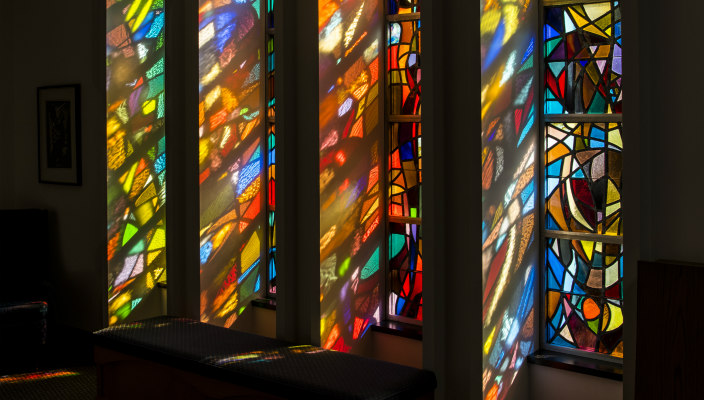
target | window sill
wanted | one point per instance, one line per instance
(582, 365)
(402, 329)
(269, 304)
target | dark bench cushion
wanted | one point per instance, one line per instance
(265, 364)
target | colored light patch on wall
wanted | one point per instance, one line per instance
(583, 59)
(509, 178)
(583, 167)
(136, 191)
(584, 295)
(350, 128)
(233, 146)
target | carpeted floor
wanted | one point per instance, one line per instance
(69, 383)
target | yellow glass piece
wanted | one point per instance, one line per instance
(152, 256)
(144, 213)
(612, 194)
(581, 21)
(606, 316)
(250, 254)
(616, 317)
(159, 240)
(613, 229)
(597, 10)
(593, 29)
(149, 107)
(610, 209)
(615, 138)
(611, 275)
(553, 302)
(588, 247)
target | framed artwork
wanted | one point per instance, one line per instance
(59, 147)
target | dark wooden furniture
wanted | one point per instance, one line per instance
(670, 325)
(24, 288)
(168, 357)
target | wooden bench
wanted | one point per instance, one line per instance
(178, 358)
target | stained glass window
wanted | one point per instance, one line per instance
(351, 145)
(232, 155)
(136, 166)
(403, 81)
(583, 58)
(583, 167)
(271, 146)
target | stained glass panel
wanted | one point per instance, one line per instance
(583, 58)
(136, 155)
(271, 159)
(584, 295)
(403, 6)
(583, 166)
(406, 270)
(351, 141)
(405, 170)
(232, 150)
(404, 68)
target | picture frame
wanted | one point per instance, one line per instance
(59, 134)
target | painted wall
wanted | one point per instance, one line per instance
(556, 384)
(62, 43)
(6, 128)
(509, 225)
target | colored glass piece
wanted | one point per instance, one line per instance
(136, 155)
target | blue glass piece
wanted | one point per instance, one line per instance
(559, 341)
(406, 151)
(555, 168)
(549, 32)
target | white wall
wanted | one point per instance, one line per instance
(59, 42)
